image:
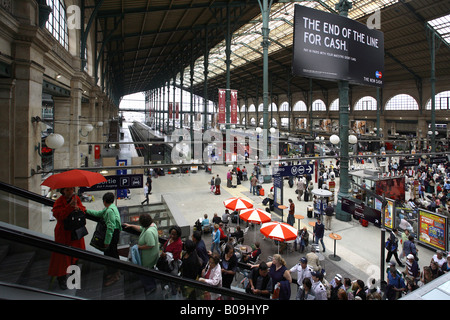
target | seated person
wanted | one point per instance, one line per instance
(255, 253)
(238, 234)
(205, 223)
(225, 216)
(245, 259)
(216, 219)
(223, 236)
(260, 282)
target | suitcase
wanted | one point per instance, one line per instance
(364, 222)
(306, 195)
(310, 214)
(261, 191)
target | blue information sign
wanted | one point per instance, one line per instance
(118, 182)
(293, 170)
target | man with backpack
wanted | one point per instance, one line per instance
(392, 247)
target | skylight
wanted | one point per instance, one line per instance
(442, 27)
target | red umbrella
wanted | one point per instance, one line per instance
(237, 203)
(255, 215)
(73, 178)
(279, 231)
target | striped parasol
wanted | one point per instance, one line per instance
(255, 215)
(237, 204)
(279, 231)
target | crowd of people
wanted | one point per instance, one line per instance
(219, 265)
(433, 185)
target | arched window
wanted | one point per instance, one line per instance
(300, 106)
(284, 106)
(57, 22)
(402, 102)
(261, 107)
(366, 104)
(243, 108)
(319, 105)
(442, 101)
(274, 123)
(252, 108)
(273, 107)
(335, 105)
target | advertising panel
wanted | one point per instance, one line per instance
(389, 214)
(233, 106)
(393, 188)
(328, 46)
(360, 210)
(433, 229)
(222, 97)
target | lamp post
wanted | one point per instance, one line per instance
(336, 140)
(343, 7)
(265, 6)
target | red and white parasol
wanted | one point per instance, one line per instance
(237, 204)
(255, 216)
(279, 231)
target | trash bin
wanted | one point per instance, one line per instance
(310, 211)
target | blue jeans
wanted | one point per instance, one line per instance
(215, 245)
(321, 241)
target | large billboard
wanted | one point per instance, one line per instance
(330, 47)
(433, 229)
(393, 188)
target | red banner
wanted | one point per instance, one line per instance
(222, 97)
(233, 106)
(170, 110)
(177, 110)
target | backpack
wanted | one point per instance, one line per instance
(389, 245)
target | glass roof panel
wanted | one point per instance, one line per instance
(442, 27)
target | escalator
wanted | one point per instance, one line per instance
(25, 257)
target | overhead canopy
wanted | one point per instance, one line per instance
(147, 43)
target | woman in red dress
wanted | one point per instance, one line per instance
(63, 206)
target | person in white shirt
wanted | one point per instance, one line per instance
(439, 258)
(318, 287)
(303, 270)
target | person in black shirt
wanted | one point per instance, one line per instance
(260, 282)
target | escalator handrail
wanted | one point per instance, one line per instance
(50, 202)
(23, 236)
(26, 194)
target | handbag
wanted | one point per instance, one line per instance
(75, 220)
(98, 238)
(79, 233)
(76, 223)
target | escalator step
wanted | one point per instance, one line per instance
(4, 249)
(13, 266)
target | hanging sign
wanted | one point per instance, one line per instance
(331, 47)
(222, 97)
